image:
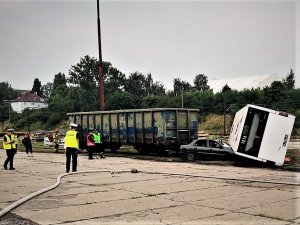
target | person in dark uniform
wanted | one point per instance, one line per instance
(27, 144)
(10, 147)
(72, 145)
(56, 141)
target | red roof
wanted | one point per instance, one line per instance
(21, 92)
(29, 97)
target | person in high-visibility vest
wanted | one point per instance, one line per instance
(16, 141)
(10, 147)
(99, 148)
(91, 145)
(71, 145)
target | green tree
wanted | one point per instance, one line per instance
(47, 90)
(114, 80)
(275, 96)
(37, 87)
(120, 100)
(84, 75)
(289, 81)
(59, 79)
(180, 86)
(158, 89)
(200, 83)
(59, 101)
(203, 100)
(226, 88)
(136, 86)
(7, 93)
(153, 88)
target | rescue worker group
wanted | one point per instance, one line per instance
(10, 144)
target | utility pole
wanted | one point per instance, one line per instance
(9, 114)
(182, 96)
(100, 69)
(224, 119)
(8, 101)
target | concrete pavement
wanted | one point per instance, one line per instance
(144, 198)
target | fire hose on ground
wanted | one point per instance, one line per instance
(58, 181)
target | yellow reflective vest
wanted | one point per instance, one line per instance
(8, 139)
(97, 138)
(16, 141)
(71, 140)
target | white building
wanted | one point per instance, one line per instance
(28, 100)
(245, 82)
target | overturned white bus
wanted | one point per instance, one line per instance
(261, 134)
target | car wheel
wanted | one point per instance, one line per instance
(190, 156)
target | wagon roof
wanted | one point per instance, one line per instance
(135, 110)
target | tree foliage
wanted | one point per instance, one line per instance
(226, 88)
(200, 82)
(179, 86)
(7, 93)
(47, 90)
(289, 81)
(37, 87)
(59, 80)
(79, 91)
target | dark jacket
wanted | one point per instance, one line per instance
(27, 142)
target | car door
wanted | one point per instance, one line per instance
(201, 146)
(215, 147)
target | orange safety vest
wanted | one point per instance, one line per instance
(88, 142)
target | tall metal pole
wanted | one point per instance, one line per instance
(9, 113)
(100, 70)
(225, 130)
(182, 96)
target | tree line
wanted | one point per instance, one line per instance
(79, 92)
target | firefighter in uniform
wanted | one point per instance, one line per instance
(72, 145)
(9, 146)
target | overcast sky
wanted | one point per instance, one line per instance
(169, 39)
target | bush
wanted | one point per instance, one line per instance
(214, 124)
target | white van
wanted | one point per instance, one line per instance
(261, 134)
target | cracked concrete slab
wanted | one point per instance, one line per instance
(236, 219)
(94, 210)
(246, 200)
(276, 210)
(211, 192)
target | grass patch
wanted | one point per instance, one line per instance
(214, 124)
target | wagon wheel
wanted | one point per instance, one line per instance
(113, 149)
(141, 150)
(190, 156)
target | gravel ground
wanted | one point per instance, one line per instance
(11, 218)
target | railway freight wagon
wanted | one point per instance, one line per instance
(156, 129)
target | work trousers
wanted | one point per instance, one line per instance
(28, 149)
(10, 158)
(71, 152)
